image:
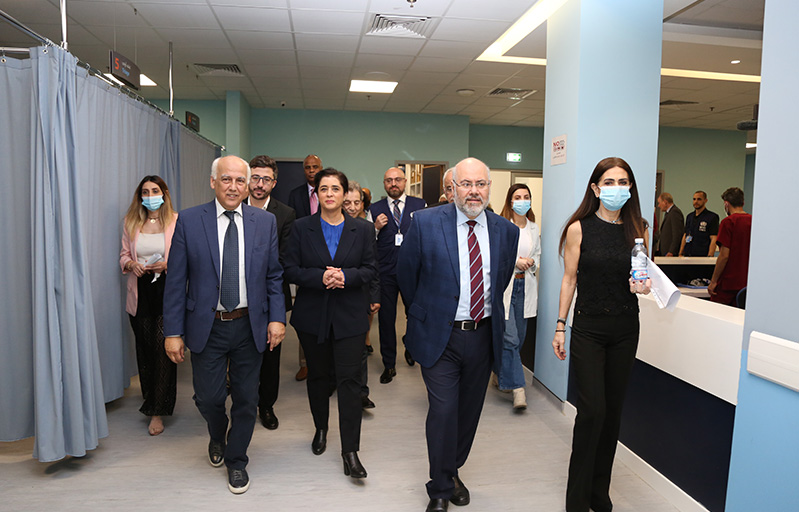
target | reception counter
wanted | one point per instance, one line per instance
(680, 407)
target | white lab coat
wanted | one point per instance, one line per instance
(530, 279)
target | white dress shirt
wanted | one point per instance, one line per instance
(481, 231)
(222, 223)
(400, 205)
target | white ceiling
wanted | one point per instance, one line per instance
(304, 53)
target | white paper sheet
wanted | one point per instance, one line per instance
(666, 294)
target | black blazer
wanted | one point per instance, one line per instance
(299, 202)
(285, 217)
(386, 249)
(316, 308)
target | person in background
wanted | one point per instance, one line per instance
(456, 251)
(354, 206)
(331, 259)
(671, 228)
(521, 296)
(225, 259)
(596, 244)
(701, 229)
(446, 182)
(304, 202)
(392, 217)
(367, 202)
(732, 265)
(147, 232)
(263, 179)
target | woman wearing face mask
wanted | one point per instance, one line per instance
(331, 258)
(596, 244)
(521, 295)
(146, 236)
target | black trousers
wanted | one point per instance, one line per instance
(230, 351)
(342, 356)
(270, 378)
(387, 319)
(456, 389)
(158, 375)
(602, 357)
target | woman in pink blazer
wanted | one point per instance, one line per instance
(147, 233)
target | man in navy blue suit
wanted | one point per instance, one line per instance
(223, 296)
(392, 217)
(453, 268)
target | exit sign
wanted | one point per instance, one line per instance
(513, 157)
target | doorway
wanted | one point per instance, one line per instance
(424, 179)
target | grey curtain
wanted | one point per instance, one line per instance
(69, 409)
(74, 150)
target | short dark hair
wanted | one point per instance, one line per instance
(329, 171)
(264, 161)
(667, 197)
(704, 194)
(734, 196)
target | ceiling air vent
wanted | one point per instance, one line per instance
(218, 70)
(511, 94)
(676, 103)
(400, 26)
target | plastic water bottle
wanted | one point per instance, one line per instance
(638, 261)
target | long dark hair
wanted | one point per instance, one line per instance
(634, 224)
(507, 210)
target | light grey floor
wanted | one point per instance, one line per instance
(518, 462)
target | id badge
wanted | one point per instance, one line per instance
(397, 239)
(688, 239)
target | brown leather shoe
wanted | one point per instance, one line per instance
(302, 374)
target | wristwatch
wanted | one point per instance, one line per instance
(562, 321)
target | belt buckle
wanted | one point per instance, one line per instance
(468, 325)
(222, 316)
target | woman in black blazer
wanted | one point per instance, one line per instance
(330, 257)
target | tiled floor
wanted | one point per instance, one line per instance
(518, 462)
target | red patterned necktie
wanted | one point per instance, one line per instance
(477, 303)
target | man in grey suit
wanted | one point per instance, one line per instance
(672, 227)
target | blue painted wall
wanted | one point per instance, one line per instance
(211, 112)
(765, 450)
(491, 143)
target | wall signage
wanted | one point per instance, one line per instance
(558, 150)
(125, 70)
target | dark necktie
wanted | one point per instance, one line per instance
(397, 214)
(477, 303)
(229, 297)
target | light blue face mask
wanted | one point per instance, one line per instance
(521, 207)
(152, 203)
(613, 198)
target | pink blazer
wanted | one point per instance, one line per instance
(128, 253)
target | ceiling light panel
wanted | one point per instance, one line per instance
(372, 86)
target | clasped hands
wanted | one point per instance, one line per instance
(139, 270)
(523, 263)
(640, 287)
(333, 278)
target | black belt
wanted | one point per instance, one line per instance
(469, 325)
(231, 315)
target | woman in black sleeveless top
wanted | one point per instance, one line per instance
(596, 245)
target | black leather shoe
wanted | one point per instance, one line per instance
(238, 481)
(388, 375)
(353, 466)
(216, 453)
(437, 505)
(460, 494)
(268, 418)
(409, 358)
(319, 443)
(366, 403)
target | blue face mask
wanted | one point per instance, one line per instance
(521, 207)
(152, 203)
(613, 198)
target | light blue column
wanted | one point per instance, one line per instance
(602, 92)
(765, 445)
(237, 125)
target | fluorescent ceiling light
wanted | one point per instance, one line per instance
(113, 78)
(529, 21)
(375, 86)
(751, 145)
(145, 81)
(736, 61)
(709, 75)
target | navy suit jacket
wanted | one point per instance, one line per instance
(316, 308)
(191, 291)
(386, 249)
(429, 279)
(299, 201)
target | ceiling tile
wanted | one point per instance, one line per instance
(383, 62)
(280, 4)
(140, 37)
(259, 40)
(178, 15)
(325, 73)
(253, 18)
(427, 77)
(437, 64)
(472, 31)
(391, 45)
(327, 42)
(95, 13)
(328, 22)
(348, 5)
(325, 59)
(421, 8)
(271, 72)
(271, 57)
(452, 49)
(503, 10)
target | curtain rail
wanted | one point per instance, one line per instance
(99, 74)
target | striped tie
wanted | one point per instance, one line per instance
(397, 215)
(477, 303)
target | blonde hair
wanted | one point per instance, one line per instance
(137, 213)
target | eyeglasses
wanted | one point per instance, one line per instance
(479, 185)
(389, 181)
(266, 179)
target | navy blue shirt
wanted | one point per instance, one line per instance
(698, 230)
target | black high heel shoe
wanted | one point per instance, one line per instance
(319, 443)
(353, 466)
